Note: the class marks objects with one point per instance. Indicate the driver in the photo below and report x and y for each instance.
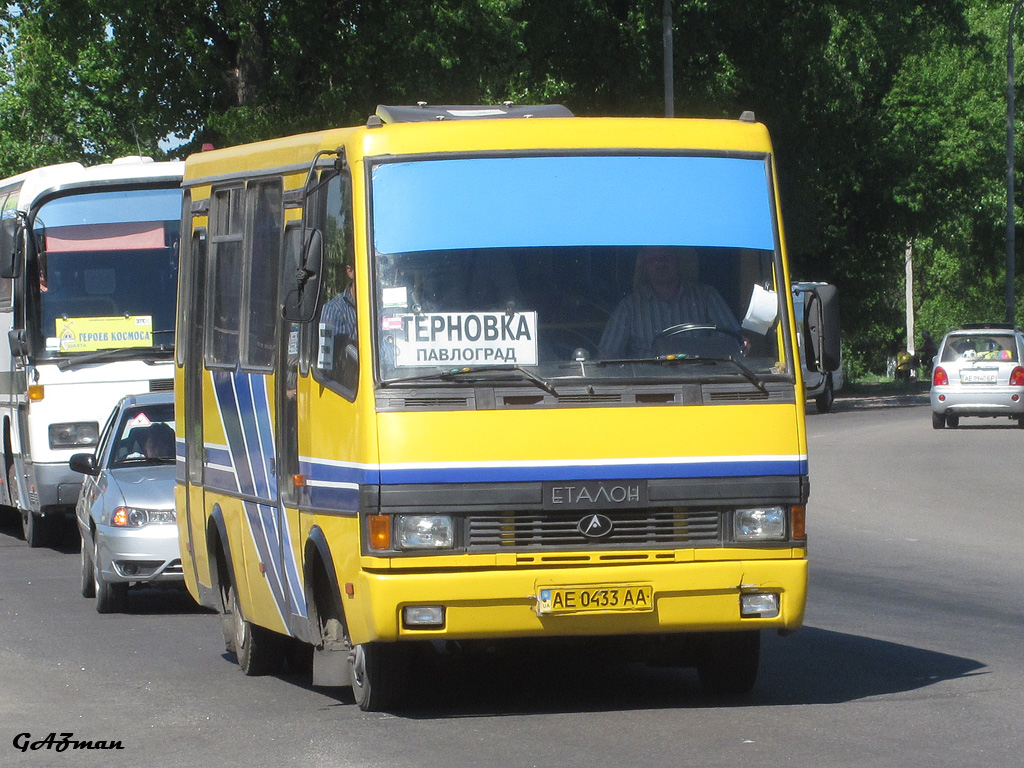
(666, 292)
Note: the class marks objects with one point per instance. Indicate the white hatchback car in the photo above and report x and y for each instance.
(126, 506)
(978, 372)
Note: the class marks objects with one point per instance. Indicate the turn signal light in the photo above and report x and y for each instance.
(35, 392)
(939, 378)
(798, 520)
(1017, 377)
(380, 531)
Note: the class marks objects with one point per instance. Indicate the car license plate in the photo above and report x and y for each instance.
(605, 598)
(977, 377)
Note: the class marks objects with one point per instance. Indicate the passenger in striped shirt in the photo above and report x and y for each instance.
(666, 292)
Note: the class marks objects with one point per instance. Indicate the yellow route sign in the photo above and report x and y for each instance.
(86, 334)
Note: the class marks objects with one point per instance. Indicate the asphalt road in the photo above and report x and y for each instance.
(911, 654)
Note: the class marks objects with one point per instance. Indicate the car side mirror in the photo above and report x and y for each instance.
(85, 463)
(303, 265)
(822, 340)
(10, 247)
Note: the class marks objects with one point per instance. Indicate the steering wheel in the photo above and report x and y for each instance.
(684, 328)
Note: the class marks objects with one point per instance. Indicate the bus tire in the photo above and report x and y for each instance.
(826, 400)
(35, 528)
(379, 673)
(729, 661)
(258, 651)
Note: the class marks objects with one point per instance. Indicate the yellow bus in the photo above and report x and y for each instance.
(469, 374)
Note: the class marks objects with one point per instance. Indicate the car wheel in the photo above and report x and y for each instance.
(825, 401)
(88, 578)
(1020, 420)
(952, 420)
(379, 672)
(938, 420)
(729, 662)
(111, 597)
(258, 651)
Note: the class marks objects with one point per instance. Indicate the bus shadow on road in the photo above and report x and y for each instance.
(815, 666)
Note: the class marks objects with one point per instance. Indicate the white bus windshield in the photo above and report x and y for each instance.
(105, 271)
(628, 264)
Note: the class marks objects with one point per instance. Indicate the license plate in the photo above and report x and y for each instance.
(632, 598)
(977, 377)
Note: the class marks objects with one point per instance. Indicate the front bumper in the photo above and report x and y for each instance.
(688, 597)
(147, 554)
(978, 401)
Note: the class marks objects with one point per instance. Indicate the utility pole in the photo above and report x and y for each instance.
(666, 36)
(908, 258)
(1010, 224)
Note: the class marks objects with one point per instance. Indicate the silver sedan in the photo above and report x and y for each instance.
(978, 372)
(125, 509)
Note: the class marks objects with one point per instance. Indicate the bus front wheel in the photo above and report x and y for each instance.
(258, 651)
(379, 671)
(728, 662)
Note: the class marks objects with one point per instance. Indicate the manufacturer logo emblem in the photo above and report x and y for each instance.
(595, 526)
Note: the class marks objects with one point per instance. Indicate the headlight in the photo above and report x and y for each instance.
(134, 517)
(424, 532)
(74, 434)
(759, 524)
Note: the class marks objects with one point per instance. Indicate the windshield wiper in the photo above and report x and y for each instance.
(455, 373)
(748, 374)
(101, 355)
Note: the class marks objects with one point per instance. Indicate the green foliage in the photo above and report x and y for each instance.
(888, 118)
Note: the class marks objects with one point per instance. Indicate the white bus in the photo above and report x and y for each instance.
(88, 270)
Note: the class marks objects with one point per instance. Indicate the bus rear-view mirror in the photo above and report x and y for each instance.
(822, 340)
(303, 267)
(10, 237)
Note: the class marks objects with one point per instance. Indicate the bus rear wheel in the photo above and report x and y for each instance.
(379, 673)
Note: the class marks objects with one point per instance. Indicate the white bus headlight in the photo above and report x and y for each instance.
(759, 524)
(425, 532)
(74, 434)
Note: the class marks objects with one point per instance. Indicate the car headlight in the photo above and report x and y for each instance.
(424, 532)
(136, 517)
(759, 524)
(74, 434)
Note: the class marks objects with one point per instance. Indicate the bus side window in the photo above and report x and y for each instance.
(225, 278)
(337, 357)
(263, 251)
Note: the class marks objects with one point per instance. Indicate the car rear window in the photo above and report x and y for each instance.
(987, 346)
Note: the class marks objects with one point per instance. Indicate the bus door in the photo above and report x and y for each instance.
(191, 321)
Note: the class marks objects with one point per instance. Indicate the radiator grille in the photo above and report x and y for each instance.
(649, 528)
(161, 385)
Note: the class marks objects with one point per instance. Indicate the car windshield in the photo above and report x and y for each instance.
(576, 267)
(106, 271)
(980, 346)
(144, 435)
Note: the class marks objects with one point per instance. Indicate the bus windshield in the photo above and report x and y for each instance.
(582, 266)
(105, 272)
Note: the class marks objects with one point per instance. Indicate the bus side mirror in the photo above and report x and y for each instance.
(10, 247)
(17, 342)
(303, 268)
(822, 341)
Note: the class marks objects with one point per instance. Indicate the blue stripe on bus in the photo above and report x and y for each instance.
(360, 475)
